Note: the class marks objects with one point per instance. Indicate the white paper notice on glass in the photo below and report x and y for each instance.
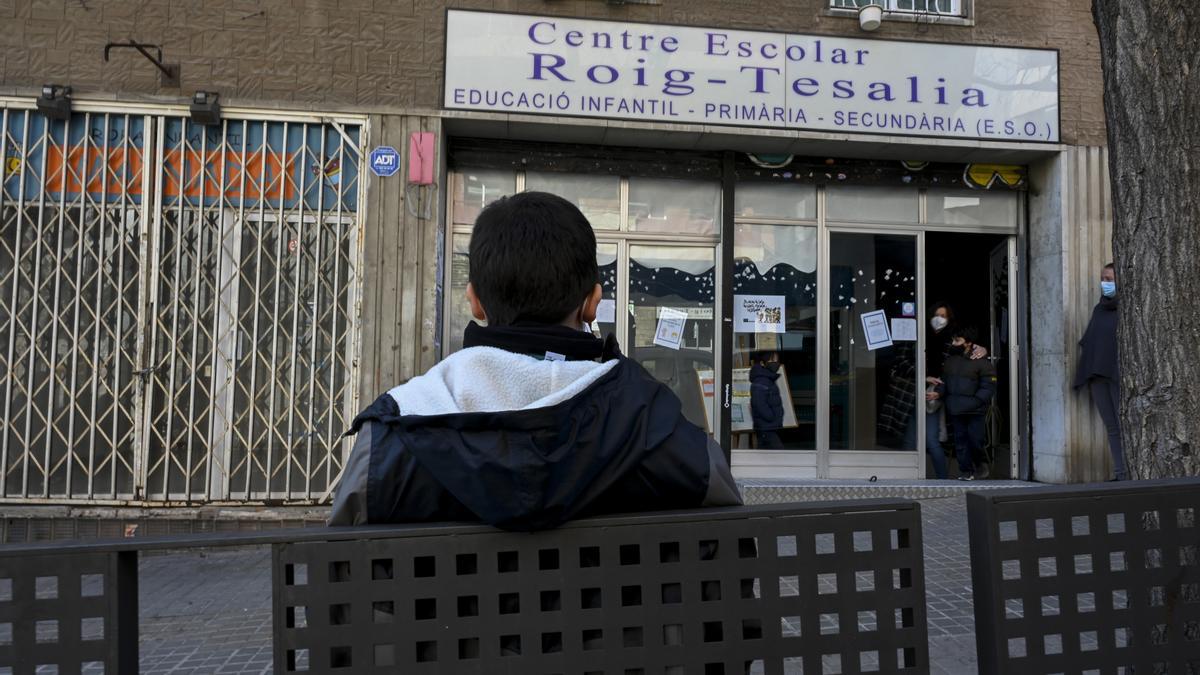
(875, 327)
(606, 311)
(904, 330)
(759, 314)
(670, 327)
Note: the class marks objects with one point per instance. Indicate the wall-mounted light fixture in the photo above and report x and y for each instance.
(204, 108)
(55, 102)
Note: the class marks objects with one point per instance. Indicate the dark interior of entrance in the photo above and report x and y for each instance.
(970, 273)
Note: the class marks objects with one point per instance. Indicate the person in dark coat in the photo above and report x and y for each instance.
(938, 347)
(938, 338)
(966, 390)
(536, 421)
(1098, 366)
(766, 404)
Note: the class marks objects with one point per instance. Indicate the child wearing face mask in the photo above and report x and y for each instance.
(967, 388)
(938, 348)
(766, 404)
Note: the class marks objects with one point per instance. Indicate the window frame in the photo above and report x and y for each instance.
(965, 17)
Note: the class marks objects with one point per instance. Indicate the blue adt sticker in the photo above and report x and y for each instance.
(385, 161)
(908, 309)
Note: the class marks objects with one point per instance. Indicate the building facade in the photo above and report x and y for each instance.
(194, 312)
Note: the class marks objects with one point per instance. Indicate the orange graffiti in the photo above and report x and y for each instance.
(268, 175)
(265, 175)
(66, 174)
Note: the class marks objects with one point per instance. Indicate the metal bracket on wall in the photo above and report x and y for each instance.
(169, 72)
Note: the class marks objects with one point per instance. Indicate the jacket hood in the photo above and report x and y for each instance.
(759, 371)
(524, 443)
(486, 379)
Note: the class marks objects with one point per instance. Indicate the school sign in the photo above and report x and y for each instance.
(649, 72)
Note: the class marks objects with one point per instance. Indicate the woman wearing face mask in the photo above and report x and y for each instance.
(1098, 365)
(937, 348)
(938, 339)
(766, 404)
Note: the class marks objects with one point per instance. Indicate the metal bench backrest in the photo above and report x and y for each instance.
(829, 587)
(818, 587)
(1089, 578)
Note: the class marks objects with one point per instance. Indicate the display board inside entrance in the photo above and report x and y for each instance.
(740, 416)
(519, 63)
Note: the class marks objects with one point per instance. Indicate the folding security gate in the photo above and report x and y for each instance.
(177, 306)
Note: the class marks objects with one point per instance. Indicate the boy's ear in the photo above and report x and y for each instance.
(591, 305)
(477, 310)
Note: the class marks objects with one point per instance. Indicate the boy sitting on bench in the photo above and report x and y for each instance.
(535, 421)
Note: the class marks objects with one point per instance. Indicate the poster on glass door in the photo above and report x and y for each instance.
(759, 314)
(669, 333)
(875, 328)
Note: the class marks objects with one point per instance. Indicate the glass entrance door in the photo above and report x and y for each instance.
(775, 342)
(875, 369)
(672, 328)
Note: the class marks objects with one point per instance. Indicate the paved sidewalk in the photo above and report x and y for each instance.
(949, 607)
(208, 613)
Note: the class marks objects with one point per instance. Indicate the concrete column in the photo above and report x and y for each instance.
(1070, 239)
(1047, 340)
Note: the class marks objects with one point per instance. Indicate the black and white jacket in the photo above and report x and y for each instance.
(514, 440)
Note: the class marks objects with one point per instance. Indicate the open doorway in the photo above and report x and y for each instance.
(970, 272)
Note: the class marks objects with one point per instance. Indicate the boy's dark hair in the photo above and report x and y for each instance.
(967, 333)
(533, 259)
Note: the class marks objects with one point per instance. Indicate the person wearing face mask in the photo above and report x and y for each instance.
(1098, 369)
(937, 341)
(967, 388)
(766, 404)
(937, 349)
(937, 345)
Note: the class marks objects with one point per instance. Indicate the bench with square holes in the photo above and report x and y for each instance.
(834, 587)
(1101, 578)
(813, 588)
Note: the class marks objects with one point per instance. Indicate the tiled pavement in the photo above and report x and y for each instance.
(206, 612)
(949, 609)
(210, 612)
